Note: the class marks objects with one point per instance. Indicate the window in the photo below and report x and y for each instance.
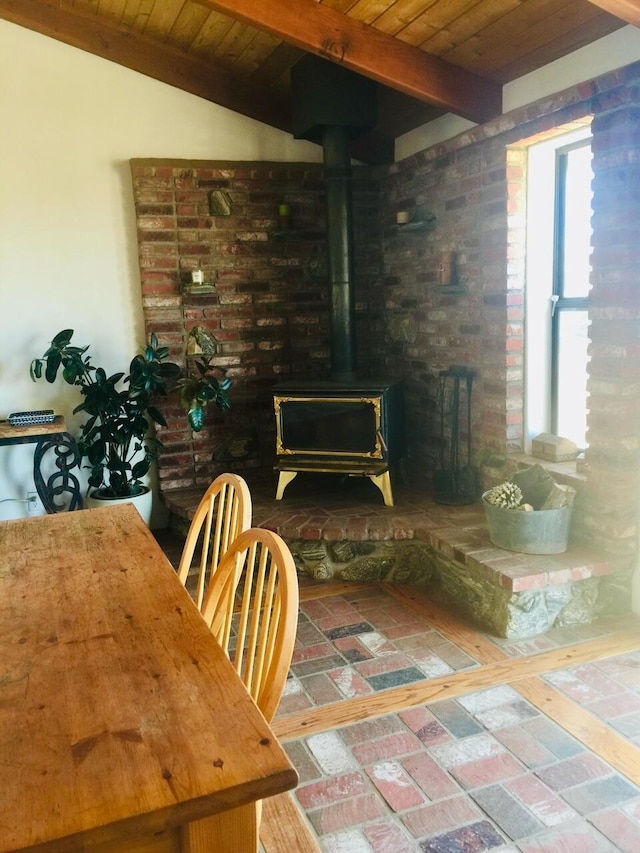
(558, 268)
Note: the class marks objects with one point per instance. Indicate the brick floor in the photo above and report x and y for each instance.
(363, 643)
(485, 771)
(488, 770)
(517, 786)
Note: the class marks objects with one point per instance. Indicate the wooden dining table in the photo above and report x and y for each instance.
(123, 725)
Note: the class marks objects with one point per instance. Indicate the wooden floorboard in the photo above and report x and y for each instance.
(284, 828)
(506, 671)
(322, 589)
(584, 726)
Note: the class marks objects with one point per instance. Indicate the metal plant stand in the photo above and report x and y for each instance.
(53, 445)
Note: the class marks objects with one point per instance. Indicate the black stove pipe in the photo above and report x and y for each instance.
(337, 165)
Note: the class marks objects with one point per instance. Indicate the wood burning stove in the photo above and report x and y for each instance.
(344, 424)
(352, 428)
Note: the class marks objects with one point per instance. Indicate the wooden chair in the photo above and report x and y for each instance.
(257, 572)
(224, 511)
(252, 608)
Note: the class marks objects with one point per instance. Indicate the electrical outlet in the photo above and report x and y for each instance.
(34, 504)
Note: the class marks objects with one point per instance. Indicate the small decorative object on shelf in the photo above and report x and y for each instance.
(38, 416)
(284, 215)
(447, 271)
(419, 221)
(553, 448)
(219, 203)
(201, 341)
(197, 284)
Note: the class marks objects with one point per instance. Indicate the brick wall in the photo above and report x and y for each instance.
(614, 385)
(270, 310)
(475, 186)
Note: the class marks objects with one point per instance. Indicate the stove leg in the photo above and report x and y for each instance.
(383, 482)
(284, 478)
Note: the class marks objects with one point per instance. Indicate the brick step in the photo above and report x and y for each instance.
(326, 510)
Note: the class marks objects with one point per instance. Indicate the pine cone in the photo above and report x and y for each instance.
(507, 495)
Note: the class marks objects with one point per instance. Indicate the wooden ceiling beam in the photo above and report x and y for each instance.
(325, 32)
(97, 35)
(626, 10)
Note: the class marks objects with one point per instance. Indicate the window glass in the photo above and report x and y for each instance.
(572, 361)
(577, 223)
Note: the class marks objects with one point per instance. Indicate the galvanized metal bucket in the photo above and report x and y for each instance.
(541, 531)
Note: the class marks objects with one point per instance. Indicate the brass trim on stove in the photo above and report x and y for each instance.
(376, 402)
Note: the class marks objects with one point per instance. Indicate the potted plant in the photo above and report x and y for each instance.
(115, 439)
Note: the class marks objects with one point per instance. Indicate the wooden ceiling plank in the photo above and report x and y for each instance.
(575, 38)
(162, 17)
(626, 10)
(467, 23)
(114, 9)
(187, 26)
(322, 31)
(234, 44)
(526, 31)
(212, 32)
(515, 18)
(539, 35)
(368, 11)
(401, 14)
(279, 62)
(438, 18)
(136, 14)
(256, 53)
(341, 6)
(191, 74)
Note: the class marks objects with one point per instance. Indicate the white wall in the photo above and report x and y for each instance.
(611, 52)
(68, 251)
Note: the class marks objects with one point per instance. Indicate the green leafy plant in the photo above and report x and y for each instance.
(115, 438)
(197, 391)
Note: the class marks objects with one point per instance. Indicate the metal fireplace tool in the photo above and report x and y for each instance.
(456, 481)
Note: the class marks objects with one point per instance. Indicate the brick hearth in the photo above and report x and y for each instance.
(452, 545)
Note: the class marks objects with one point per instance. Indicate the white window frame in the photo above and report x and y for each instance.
(539, 272)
